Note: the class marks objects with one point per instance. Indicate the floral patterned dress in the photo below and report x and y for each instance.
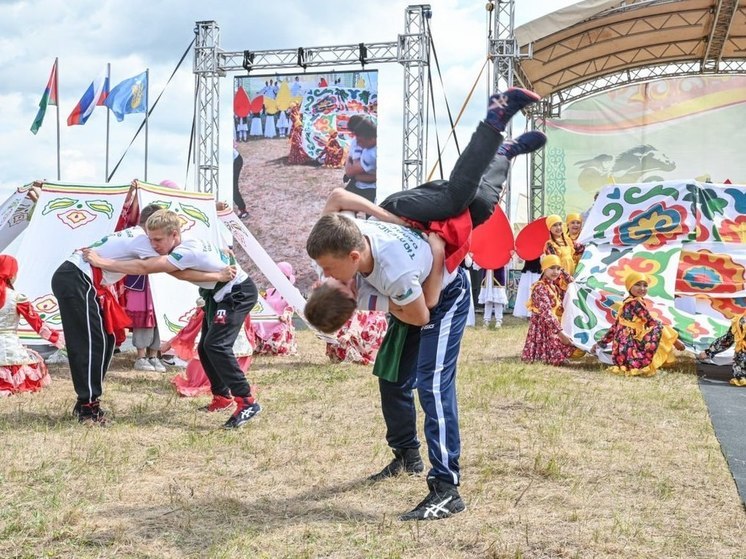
(276, 337)
(359, 339)
(21, 368)
(542, 340)
(735, 335)
(640, 344)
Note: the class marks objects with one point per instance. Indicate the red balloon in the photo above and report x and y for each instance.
(530, 242)
(241, 103)
(257, 104)
(492, 242)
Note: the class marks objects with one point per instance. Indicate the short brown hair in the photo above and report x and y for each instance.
(335, 235)
(164, 220)
(328, 308)
(147, 211)
(365, 128)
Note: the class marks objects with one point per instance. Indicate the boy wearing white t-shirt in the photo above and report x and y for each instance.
(430, 307)
(228, 303)
(91, 313)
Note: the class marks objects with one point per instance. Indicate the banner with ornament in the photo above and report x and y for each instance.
(66, 217)
(688, 237)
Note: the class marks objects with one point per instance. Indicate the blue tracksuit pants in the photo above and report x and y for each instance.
(428, 363)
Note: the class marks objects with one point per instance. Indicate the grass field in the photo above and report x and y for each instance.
(557, 462)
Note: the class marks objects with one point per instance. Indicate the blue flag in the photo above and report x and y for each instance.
(129, 96)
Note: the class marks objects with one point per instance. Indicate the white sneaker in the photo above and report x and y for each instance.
(143, 364)
(158, 366)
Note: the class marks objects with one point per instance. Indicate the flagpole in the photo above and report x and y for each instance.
(56, 87)
(147, 107)
(108, 78)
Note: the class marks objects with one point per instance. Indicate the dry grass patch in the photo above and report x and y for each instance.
(557, 462)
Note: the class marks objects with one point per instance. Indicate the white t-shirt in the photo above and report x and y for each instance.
(367, 157)
(402, 260)
(128, 244)
(197, 254)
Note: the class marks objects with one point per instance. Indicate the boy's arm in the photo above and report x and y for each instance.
(133, 267)
(198, 276)
(433, 284)
(358, 172)
(340, 200)
(415, 313)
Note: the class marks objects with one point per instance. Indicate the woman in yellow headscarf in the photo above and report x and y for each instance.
(561, 245)
(736, 335)
(574, 223)
(640, 344)
(545, 340)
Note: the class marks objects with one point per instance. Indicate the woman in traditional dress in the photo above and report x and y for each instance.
(736, 335)
(194, 381)
(561, 245)
(545, 340)
(640, 344)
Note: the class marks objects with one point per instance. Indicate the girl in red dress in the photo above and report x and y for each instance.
(545, 340)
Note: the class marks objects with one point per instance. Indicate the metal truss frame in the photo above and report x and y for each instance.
(506, 57)
(504, 53)
(411, 50)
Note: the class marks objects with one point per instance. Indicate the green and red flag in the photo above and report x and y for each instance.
(49, 97)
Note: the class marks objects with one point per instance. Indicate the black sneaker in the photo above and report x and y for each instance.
(502, 106)
(89, 412)
(442, 501)
(406, 460)
(525, 143)
(242, 415)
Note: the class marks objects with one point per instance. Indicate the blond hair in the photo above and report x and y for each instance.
(164, 220)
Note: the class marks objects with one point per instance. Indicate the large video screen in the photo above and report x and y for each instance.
(678, 128)
(295, 138)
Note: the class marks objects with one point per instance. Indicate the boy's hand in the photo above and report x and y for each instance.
(436, 243)
(92, 257)
(227, 273)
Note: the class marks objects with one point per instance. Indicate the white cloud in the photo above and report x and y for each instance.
(87, 34)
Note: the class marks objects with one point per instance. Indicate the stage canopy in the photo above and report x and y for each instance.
(599, 44)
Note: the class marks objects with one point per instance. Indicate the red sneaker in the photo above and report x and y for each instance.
(218, 403)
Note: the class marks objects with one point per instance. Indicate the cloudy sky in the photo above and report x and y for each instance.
(139, 34)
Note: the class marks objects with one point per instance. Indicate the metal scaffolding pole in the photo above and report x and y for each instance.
(210, 63)
(207, 72)
(504, 52)
(414, 54)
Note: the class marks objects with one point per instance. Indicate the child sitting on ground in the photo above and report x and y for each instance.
(640, 344)
(545, 340)
(735, 335)
(277, 337)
